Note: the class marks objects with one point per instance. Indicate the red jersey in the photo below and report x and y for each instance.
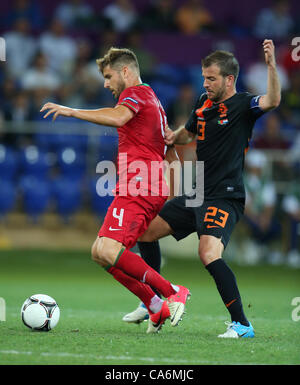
(141, 142)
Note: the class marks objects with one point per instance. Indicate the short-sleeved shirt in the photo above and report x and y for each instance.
(223, 133)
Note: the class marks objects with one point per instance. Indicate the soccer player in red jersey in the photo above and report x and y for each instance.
(141, 123)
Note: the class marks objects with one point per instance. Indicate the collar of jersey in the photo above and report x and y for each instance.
(226, 100)
(143, 84)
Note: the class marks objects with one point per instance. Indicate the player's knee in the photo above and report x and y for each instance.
(210, 249)
(106, 253)
(207, 256)
(103, 255)
(94, 254)
(96, 257)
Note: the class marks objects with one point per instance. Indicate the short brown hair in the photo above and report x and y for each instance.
(225, 60)
(117, 58)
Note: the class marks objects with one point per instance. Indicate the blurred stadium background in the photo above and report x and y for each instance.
(48, 171)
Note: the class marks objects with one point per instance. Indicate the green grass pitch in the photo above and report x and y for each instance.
(91, 330)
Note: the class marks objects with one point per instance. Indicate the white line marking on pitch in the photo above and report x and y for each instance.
(129, 358)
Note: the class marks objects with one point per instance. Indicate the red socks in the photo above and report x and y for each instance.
(141, 290)
(134, 266)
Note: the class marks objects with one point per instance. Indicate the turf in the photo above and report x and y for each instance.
(92, 304)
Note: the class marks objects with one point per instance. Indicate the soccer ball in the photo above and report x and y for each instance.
(40, 312)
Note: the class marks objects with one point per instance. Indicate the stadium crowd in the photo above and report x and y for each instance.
(51, 47)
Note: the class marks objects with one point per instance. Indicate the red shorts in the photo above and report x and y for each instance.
(128, 217)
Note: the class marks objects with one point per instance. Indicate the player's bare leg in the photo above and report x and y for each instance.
(157, 229)
(210, 249)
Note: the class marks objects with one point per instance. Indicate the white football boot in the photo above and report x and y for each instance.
(139, 315)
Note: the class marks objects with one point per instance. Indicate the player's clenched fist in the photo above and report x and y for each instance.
(169, 137)
(56, 110)
(269, 51)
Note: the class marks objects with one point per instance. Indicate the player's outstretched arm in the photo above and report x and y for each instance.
(114, 117)
(273, 96)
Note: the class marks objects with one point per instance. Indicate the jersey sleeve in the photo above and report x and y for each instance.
(191, 124)
(132, 99)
